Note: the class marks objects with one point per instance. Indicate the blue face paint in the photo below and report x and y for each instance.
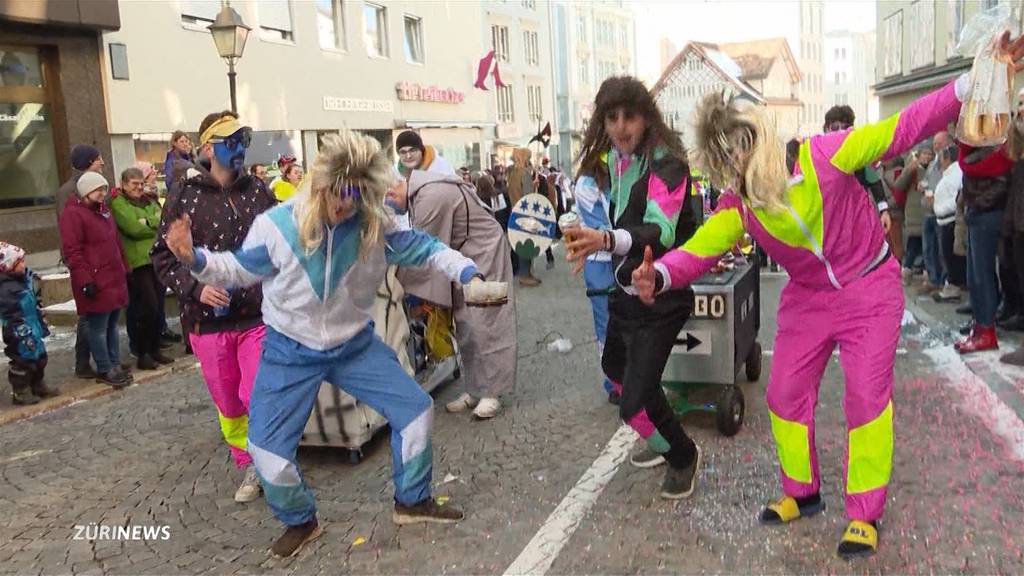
(230, 156)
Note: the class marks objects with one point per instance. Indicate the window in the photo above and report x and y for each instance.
(506, 108)
(843, 51)
(275, 19)
(414, 39)
(837, 78)
(499, 41)
(534, 103)
(584, 70)
(605, 68)
(955, 23)
(330, 24)
(581, 28)
(623, 35)
(530, 4)
(199, 12)
(893, 45)
(986, 4)
(375, 29)
(922, 26)
(531, 48)
(28, 154)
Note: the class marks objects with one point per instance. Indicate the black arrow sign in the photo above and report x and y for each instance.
(691, 341)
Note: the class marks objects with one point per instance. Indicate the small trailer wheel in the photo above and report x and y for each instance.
(355, 456)
(729, 412)
(753, 363)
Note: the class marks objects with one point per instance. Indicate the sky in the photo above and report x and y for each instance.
(732, 21)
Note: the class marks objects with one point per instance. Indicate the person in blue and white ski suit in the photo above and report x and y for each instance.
(320, 257)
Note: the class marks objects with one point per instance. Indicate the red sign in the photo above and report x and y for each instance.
(408, 91)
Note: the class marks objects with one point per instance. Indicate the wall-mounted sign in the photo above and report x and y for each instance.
(409, 91)
(339, 104)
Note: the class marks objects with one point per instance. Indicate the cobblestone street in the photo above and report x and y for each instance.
(152, 456)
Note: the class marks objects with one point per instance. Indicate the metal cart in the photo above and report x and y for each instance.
(718, 340)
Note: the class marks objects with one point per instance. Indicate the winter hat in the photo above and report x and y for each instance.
(83, 155)
(10, 255)
(409, 138)
(89, 182)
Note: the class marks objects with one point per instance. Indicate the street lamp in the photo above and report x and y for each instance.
(229, 34)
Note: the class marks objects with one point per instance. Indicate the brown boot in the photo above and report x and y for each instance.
(295, 537)
(529, 281)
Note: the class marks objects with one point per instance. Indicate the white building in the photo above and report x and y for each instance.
(850, 73)
(812, 87)
(697, 70)
(308, 68)
(592, 41)
(519, 33)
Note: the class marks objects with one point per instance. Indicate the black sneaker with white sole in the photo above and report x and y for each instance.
(680, 482)
(646, 458)
(426, 511)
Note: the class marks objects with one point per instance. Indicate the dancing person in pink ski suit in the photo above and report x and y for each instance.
(844, 289)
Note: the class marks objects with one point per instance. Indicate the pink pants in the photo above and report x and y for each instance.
(863, 319)
(229, 361)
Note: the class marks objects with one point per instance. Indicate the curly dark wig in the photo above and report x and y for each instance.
(629, 93)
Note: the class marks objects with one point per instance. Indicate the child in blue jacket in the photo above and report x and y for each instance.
(23, 328)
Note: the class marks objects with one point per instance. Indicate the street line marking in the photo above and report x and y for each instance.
(979, 399)
(547, 543)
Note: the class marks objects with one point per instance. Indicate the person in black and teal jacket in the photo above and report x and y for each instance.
(23, 328)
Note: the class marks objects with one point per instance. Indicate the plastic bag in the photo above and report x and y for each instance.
(985, 114)
(562, 345)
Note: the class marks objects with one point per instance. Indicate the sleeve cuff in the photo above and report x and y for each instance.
(962, 86)
(467, 274)
(623, 241)
(198, 260)
(883, 206)
(666, 277)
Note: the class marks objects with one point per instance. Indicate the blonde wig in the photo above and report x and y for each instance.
(737, 147)
(347, 162)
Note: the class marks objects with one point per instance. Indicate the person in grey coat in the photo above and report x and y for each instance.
(447, 207)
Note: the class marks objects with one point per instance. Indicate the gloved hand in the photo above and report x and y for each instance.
(89, 290)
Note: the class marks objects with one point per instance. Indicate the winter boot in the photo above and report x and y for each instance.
(982, 338)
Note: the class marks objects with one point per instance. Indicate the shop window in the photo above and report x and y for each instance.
(28, 160)
(375, 29)
(414, 39)
(330, 24)
(276, 20)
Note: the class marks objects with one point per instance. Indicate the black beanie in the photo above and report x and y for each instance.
(409, 138)
(83, 155)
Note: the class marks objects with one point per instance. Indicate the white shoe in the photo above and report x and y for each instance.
(462, 403)
(250, 488)
(487, 408)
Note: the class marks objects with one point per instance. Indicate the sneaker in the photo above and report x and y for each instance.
(462, 403)
(529, 281)
(250, 488)
(85, 372)
(161, 359)
(146, 362)
(114, 378)
(24, 398)
(426, 511)
(679, 482)
(170, 336)
(646, 458)
(487, 408)
(949, 293)
(295, 537)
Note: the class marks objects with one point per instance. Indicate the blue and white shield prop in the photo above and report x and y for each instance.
(531, 226)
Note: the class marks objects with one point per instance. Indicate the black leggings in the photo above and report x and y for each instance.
(145, 297)
(956, 266)
(636, 348)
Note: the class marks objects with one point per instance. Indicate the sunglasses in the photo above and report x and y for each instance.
(241, 137)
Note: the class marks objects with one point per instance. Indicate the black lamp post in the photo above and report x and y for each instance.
(229, 34)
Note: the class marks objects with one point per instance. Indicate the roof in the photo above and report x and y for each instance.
(756, 57)
(719, 62)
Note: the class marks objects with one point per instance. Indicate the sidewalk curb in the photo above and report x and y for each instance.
(96, 390)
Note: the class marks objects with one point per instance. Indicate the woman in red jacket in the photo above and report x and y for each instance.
(93, 253)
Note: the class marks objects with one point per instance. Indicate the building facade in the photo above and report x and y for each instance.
(850, 73)
(51, 97)
(698, 69)
(812, 86)
(770, 67)
(592, 41)
(917, 46)
(519, 32)
(309, 68)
